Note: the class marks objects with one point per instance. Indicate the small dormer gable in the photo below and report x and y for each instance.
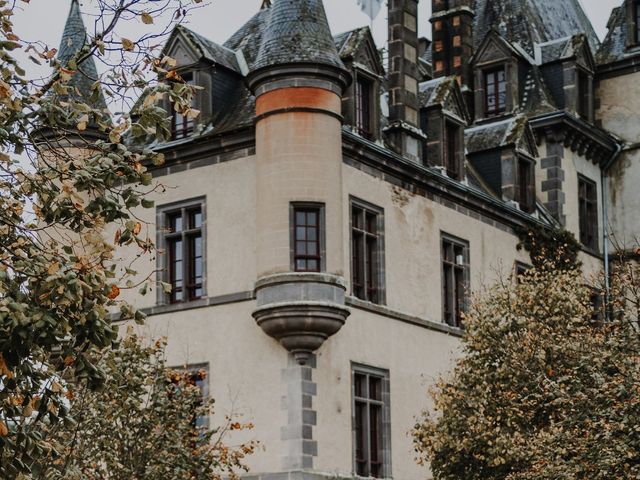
(494, 49)
(358, 48)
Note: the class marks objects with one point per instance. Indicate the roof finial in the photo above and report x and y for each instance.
(265, 4)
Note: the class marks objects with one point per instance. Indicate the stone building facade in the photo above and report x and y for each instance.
(328, 214)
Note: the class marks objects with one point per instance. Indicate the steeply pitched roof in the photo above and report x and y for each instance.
(74, 38)
(297, 32)
(512, 131)
(210, 50)
(443, 92)
(249, 37)
(614, 46)
(527, 22)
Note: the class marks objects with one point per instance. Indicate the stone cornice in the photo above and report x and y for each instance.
(393, 168)
(581, 137)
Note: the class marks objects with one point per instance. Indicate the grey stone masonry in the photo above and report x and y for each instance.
(552, 182)
(300, 417)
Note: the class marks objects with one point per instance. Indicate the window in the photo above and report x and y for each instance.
(526, 195)
(181, 125)
(307, 234)
(184, 252)
(637, 20)
(195, 375)
(455, 273)
(495, 82)
(367, 252)
(588, 212)
(452, 150)
(584, 94)
(520, 269)
(371, 422)
(363, 100)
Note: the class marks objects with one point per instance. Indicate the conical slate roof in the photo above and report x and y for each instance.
(297, 32)
(74, 38)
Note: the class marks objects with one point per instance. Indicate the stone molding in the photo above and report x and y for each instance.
(300, 310)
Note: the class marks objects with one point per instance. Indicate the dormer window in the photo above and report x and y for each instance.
(525, 193)
(584, 94)
(364, 106)
(452, 150)
(182, 125)
(495, 82)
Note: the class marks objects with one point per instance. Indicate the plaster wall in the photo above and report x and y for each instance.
(619, 112)
(414, 357)
(230, 197)
(413, 228)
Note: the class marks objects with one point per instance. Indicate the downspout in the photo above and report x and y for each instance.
(605, 221)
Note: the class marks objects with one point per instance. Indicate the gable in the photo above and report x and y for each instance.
(179, 48)
(492, 50)
(359, 47)
(584, 57)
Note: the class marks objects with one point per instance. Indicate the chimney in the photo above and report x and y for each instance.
(452, 34)
(404, 119)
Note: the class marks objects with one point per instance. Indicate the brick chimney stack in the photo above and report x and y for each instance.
(404, 118)
(452, 34)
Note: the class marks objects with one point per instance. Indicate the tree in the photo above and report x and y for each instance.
(65, 174)
(544, 388)
(141, 424)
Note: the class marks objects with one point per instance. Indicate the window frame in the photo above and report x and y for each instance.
(201, 422)
(452, 297)
(448, 157)
(527, 199)
(377, 256)
(321, 225)
(384, 427)
(588, 220)
(498, 110)
(187, 124)
(584, 87)
(368, 113)
(163, 237)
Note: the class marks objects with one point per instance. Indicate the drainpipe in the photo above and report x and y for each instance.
(605, 221)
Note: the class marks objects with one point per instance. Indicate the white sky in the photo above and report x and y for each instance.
(44, 19)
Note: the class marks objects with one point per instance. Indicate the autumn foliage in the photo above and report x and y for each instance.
(545, 387)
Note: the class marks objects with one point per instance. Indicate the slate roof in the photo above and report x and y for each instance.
(74, 38)
(212, 51)
(614, 46)
(347, 43)
(297, 32)
(562, 48)
(434, 92)
(527, 22)
(249, 37)
(494, 135)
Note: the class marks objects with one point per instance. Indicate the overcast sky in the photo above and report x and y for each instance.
(44, 19)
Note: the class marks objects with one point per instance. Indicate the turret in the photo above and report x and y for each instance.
(298, 81)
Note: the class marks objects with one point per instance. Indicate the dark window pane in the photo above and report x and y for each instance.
(175, 222)
(301, 248)
(375, 388)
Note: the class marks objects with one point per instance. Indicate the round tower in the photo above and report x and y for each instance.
(298, 80)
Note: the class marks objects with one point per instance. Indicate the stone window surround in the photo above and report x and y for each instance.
(374, 107)
(594, 229)
(204, 390)
(457, 241)
(380, 253)
(582, 71)
(321, 234)
(383, 374)
(161, 244)
(509, 64)
(521, 157)
(450, 120)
